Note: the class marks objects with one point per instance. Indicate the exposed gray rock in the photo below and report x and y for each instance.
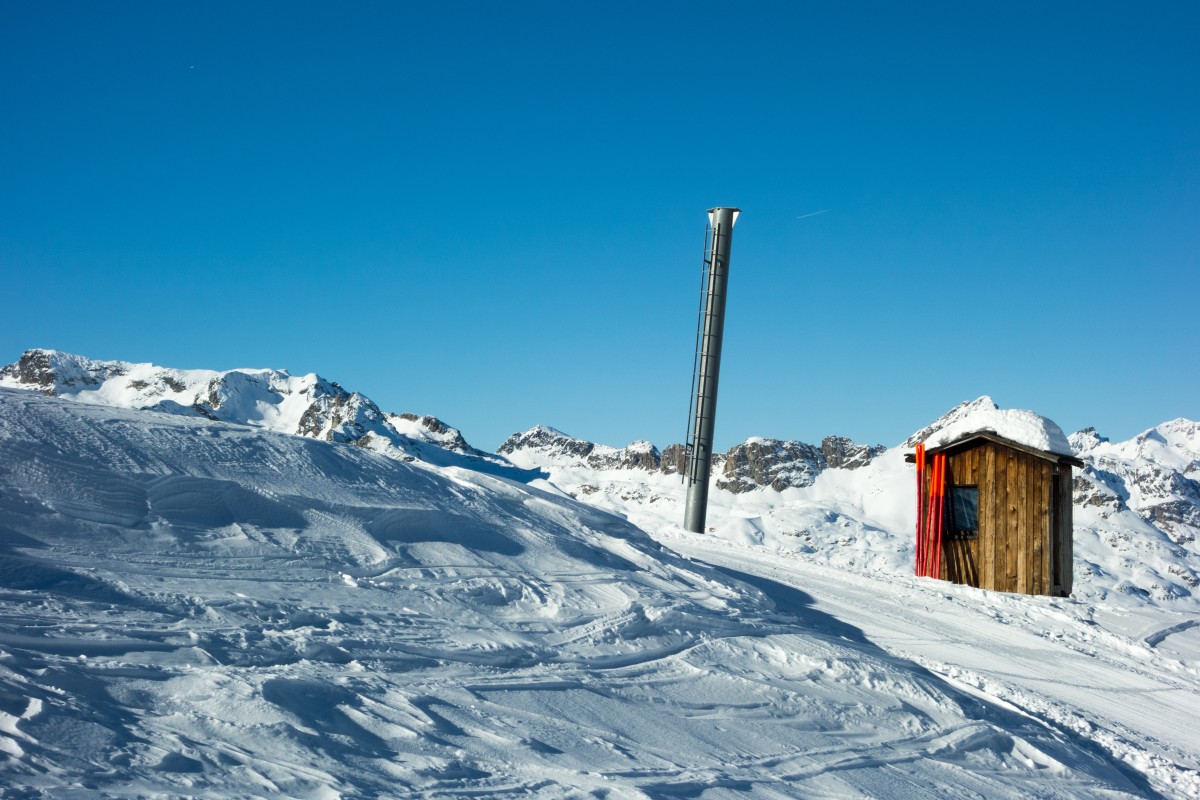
(447, 437)
(754, 464)
(51, 371)
(788, 464)
(842, 453)
(202, 410)
(32, 369)
(1169, 500)
(337, 415)
(552, 445)
(547, 441)
(1099, 489)
(639, 455)
(673, 460)
(770, 462)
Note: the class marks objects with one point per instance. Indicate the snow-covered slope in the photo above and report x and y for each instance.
(197, 608)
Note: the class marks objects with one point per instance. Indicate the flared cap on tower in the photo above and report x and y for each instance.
(714, 212)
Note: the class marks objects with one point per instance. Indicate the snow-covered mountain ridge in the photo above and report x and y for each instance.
(754, 464)
(314, 407)
(306, 405)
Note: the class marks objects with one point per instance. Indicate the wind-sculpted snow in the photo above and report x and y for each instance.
(194, 608)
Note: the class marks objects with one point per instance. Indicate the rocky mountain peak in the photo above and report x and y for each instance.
(637, 455)
(770, 462)
(429, 428)
(546, 441)
(1180, 435)
(51, 371)
(842, 453)
(543, 445)
(1086, 440)
(784, 465)
(755, 464)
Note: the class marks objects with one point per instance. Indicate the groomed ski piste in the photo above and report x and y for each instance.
(192, 607)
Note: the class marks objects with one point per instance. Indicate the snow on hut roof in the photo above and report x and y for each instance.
(1015, 424)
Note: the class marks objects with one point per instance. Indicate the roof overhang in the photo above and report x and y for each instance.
(972, 439)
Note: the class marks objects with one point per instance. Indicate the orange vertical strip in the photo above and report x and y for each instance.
(927, 530)
(926, 561)
(920, 549)
(929, 554)
(941, 514)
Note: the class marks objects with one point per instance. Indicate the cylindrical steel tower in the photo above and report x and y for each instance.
(708, 366)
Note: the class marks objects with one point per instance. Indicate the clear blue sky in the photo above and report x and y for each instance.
(494, 212)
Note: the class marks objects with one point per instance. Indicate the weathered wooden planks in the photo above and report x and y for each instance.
(1024, 538)
(989, 502)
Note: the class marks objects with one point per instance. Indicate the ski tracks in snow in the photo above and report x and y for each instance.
(1044, 658)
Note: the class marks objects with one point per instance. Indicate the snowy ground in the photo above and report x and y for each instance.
(1108, 676)
(196, 608)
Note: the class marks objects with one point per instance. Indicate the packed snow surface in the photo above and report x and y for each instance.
(193, 607)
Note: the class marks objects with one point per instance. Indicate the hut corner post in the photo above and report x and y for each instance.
(708, 368)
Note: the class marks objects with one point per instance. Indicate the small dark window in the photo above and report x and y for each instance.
(963, 511)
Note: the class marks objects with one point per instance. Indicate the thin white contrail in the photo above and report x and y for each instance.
(813, 213)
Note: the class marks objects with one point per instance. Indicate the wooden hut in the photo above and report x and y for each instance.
(1005, 515)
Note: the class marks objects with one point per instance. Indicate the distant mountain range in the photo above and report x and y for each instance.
(317, 408)
(306, 405)
(1137, 502)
